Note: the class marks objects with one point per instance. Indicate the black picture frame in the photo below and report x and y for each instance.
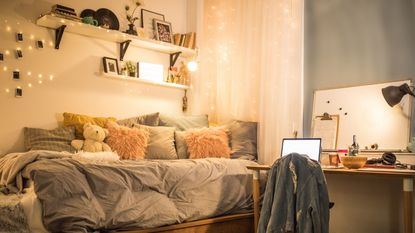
(110, 65)
(16, 75)
(147, 24)
(163, 31)
(18, 93)
(19, 37)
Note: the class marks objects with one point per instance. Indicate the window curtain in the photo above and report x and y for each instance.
(251, 67)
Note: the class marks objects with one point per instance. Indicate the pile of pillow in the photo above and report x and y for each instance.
(154, 136)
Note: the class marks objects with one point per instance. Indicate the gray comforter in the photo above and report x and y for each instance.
(85, 197)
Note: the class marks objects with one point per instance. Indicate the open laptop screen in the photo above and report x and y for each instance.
(308, 146)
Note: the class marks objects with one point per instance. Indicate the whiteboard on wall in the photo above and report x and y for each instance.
(364, 112)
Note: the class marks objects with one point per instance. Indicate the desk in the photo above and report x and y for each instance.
(407, 177)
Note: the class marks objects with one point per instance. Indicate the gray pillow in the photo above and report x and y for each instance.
(181, 146)
(243, 139)
(149, 119)
(184, 122)
(160, 142)
(58, 139)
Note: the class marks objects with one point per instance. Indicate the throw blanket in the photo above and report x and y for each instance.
(296, 197)
(86, 197)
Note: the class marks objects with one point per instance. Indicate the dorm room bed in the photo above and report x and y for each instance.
(200, 195)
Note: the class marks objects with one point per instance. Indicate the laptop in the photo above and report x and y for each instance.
(308, 146)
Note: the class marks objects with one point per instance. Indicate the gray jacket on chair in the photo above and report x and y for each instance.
(296, 197)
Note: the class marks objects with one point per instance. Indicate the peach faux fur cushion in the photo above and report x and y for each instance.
(207, 142)
(129, 143)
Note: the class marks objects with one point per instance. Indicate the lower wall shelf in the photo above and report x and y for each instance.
(127, 78)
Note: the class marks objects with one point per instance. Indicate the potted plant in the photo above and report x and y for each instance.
(131, 18)
(131, 68)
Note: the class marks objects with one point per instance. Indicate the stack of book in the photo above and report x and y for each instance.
(187, 40)
(64, 12)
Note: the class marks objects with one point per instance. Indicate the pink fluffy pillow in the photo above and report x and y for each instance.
(129, 143)
(207, 142)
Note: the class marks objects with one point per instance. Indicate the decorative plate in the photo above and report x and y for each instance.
(107, 19)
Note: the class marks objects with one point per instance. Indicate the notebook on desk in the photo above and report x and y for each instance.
(308, 146)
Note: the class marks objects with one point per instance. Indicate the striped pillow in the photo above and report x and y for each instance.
(58, 139)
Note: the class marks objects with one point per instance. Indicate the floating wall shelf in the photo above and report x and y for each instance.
(60, 25)
(128, 78)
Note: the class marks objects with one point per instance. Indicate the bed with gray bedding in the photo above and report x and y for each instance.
(85, 197)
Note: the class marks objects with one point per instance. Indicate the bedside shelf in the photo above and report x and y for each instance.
(127, 78)
(60, 24)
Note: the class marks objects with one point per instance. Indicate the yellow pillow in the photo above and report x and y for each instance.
(78, 120)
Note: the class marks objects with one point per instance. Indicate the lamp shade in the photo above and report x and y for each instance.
(394, 94)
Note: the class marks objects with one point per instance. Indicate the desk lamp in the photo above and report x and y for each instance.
(394, 94)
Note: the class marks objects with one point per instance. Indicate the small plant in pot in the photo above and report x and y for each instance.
(131, 18)
(131, 68)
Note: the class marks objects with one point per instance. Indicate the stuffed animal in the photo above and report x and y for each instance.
(94, 139)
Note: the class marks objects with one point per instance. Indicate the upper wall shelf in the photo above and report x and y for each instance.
(60, 25)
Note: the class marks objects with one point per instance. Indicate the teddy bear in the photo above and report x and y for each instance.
(94, 139)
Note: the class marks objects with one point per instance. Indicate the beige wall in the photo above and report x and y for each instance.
(77, 84)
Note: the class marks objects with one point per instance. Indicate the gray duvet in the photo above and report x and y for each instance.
(85, 197)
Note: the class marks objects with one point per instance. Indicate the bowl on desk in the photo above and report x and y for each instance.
(354, 162)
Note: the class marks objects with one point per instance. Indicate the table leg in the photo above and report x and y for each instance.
(407, 203)
(255, 193)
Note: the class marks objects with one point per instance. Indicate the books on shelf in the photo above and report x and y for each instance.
(187, 40)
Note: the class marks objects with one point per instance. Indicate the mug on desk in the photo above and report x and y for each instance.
(90, 20)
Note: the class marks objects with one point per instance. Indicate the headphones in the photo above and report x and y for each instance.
(388, 158)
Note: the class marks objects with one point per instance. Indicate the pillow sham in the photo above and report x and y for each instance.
(184, 122)
(58, 139)
(208, 142)
(148, 119)
(78, 120)
(243, 139)
(129, 143)
(160, 143)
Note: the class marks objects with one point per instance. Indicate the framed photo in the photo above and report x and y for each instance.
(163, 31)
(19, 37)
(39, 44)
(147, 18)
(18, 92)
(19, 54)
(16, 75)
(110, 65)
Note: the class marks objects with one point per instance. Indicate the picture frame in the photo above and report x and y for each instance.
(1, 57)
(147, 24)
(110, 65)
(163, 31)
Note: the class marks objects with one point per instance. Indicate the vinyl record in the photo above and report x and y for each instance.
(87, 12)
(107, 19)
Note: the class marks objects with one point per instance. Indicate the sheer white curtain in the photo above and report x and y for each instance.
(251, 67)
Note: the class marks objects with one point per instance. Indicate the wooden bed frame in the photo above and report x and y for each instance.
(235, 223)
